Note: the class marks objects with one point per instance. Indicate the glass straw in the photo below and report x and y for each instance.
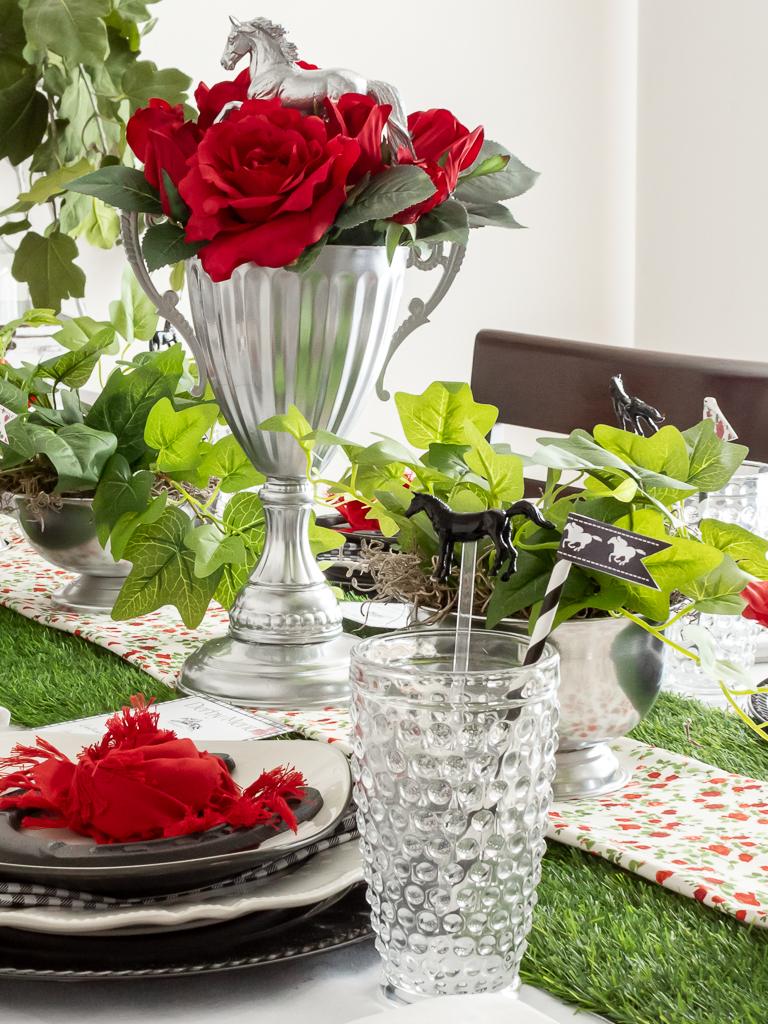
(464, 606)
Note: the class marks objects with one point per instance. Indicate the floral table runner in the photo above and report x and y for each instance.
(681, 823)
(684, 824)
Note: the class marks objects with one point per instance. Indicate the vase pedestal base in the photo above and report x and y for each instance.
(588, 772)
(89, 595)
(285, 676)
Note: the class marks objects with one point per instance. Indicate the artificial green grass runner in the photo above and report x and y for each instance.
(602, 938)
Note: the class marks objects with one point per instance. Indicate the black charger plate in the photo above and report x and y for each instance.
(155, 867)
(232, 945)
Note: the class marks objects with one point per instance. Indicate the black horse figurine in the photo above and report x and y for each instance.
(466, 527)
(632, 410)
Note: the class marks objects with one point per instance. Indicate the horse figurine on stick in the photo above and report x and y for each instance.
(274, 72)
(466, 527)
(629, 411)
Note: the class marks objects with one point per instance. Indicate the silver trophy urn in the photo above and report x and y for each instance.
(267, 339)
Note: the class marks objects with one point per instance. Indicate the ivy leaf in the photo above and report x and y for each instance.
(47, 265)
(122, 187)
(504, 473)
(494, 215)
(717, 592)
(129, 522)
(385, 453)
(124, 405)
(77, 453)
(664, 452)
(244, 513)
(447, 459)
(164, 572)
(440, 413)
(177, 435)
(13, 227)
(23, 120)
(227, 460)
(13, 398)
(578, 451)
(713, 461)
(447, 222)
(71, 412)
(120, 491)
(133, 315)
(165, 243)
(213, 549)
(507, 183)
(134, 10)
(390, 192)
(100, 227)
(75, 368)
(526, 587)
(717, 668)
(748, 550)
(142, 82)
(53, 184)
(293, 423)
(80, 329)
(72, 28)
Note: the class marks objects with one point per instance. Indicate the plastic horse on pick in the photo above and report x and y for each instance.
(468, 527)
(630, 411)
(274, 72)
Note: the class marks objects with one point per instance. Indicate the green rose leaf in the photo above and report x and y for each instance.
(23, 120)
(165, 243)
(717, 593)
(72, 28)
(47, 265)
(447, 222)
(213, 550)
(747, 550)
(492, 187)
(122, 187)
(133, 314)
(179, 209)
(439, 414)
(388, 193)
(713, 461)
(177, 435)
(129, 522)
(491, 215)
(227, 460)
(164, 572)
(504, 473)
(120, 491)
(125, 403)
(75, 368)
(142, 81)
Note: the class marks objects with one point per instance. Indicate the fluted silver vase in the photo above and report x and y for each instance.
(267, 339)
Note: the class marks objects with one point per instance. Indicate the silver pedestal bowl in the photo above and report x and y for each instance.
(66, 537)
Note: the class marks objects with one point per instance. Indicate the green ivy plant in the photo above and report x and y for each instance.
(70, 77)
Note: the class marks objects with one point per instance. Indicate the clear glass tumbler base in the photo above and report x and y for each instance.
(395, 995)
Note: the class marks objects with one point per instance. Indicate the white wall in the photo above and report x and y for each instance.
(702, 200)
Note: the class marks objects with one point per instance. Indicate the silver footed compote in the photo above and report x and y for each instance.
(267, 339)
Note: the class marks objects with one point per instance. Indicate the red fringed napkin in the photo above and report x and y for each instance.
(140, 782)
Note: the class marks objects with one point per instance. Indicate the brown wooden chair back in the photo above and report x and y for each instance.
(556, 385)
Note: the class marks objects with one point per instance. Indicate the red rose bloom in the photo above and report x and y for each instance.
(362, 118)
(263, 185)
(756, 596)
(163, 140)
(210, 102)
(444, 148)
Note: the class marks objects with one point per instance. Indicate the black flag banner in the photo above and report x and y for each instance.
(609, 549)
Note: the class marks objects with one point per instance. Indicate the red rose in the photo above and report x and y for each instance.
(263, 185)
(362, 118)
(756, 596)
(162, 140)
(444, 148)
(210, 102)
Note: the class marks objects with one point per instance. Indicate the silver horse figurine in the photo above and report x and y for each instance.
(274, 73)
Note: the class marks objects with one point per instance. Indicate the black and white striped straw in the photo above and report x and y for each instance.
(549, 607)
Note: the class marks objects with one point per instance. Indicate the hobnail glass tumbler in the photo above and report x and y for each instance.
(453, 774)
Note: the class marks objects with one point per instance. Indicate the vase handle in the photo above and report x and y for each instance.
(167, 303)
(420, 310)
